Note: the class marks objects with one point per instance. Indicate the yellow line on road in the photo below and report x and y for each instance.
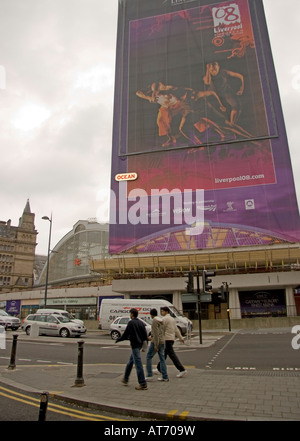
(172, 413)
(54, 407)
(181, 416)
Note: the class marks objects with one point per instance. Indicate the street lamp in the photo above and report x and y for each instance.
(47, 272)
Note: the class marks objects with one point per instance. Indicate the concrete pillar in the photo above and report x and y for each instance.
(177, 300)
(291, 310)
(234, 303)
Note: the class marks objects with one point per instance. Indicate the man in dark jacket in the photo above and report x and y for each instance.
(135, 332)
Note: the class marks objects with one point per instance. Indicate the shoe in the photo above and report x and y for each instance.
(149, 378)
(124, 382)
(162, 379)
(181, 374)
(141, 387)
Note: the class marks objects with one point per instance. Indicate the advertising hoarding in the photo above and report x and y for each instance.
(198, 123)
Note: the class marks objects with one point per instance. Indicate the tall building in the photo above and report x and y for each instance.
(200, 157)
(17, 252)
(201, 176)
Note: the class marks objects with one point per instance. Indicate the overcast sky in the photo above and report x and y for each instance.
(56, 105)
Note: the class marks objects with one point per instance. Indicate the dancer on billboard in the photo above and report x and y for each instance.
(219, 80)
(178, 101)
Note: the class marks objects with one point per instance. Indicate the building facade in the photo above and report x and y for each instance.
(17, 252)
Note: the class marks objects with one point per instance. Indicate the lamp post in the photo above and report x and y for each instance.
(48, 258)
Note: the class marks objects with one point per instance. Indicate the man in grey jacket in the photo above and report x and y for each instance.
(157, 346)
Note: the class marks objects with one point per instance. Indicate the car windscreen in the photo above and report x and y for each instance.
(175, 312)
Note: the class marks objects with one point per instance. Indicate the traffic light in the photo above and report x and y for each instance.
(222, 293)
(215, 298)
(190, 283)
(206, 281)
(219, 296)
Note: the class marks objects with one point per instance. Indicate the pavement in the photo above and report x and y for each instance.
(203, 394)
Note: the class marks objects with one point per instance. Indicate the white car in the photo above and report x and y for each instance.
(9, 322)
(118, 327)
(60, 312)
(52, 324)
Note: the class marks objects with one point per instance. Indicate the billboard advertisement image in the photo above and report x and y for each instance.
(200, 156)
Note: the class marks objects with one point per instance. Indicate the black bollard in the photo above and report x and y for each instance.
(12, 364)
(43, 406)
(79, 382)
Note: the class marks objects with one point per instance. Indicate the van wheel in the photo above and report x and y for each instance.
(64, 332)
(28, 330)
(115, 335)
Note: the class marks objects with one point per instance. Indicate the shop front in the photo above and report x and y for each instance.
(83, 308)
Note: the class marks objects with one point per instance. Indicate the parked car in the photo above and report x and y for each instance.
(53, 324)
(9, 322)
(62, 312)
(118, 327)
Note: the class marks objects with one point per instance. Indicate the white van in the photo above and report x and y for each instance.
(110, 309)
(62, 312)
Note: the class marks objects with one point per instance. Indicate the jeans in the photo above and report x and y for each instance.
(169, 351)
(161, 353)
(135, 358)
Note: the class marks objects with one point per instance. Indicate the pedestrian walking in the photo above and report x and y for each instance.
(171, 331)
(136, 333)
(157, 345)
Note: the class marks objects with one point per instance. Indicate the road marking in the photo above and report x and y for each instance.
(44, 361)
(185, 350)
(172, 413)
(181, 416)
(285, 369)
(22, 398)
(64, 363)
(213, 359)
(241, 368)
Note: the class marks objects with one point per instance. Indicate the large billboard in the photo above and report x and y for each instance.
(200, 156)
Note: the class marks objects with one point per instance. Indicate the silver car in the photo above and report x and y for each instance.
(52, 324)
(8, 321)
(118, 327)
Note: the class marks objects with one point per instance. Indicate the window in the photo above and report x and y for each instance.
(51, 319)
(40, 318)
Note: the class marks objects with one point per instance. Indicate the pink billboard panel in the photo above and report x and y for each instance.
(197, 109)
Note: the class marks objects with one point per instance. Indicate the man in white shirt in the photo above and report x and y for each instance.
(171, 332)
(157, 345)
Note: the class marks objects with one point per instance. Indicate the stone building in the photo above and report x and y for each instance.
(17, 252)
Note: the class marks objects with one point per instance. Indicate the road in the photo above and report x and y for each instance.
(259, 350)
(17, 405)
